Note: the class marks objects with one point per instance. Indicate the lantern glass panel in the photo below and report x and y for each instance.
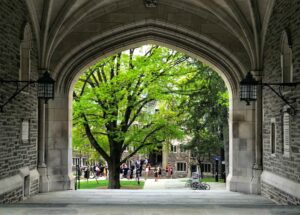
(46, 87)
(248, 92)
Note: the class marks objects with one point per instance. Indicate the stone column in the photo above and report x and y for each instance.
(165, 155)
(59, 143)
(42, 167)
(257, 167)
(41, 135)
(241, 146)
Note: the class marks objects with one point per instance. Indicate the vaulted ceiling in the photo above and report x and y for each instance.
(68, 30)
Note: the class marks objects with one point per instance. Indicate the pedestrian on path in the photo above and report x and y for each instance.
(171, 172)
(158, 172)
(155, 173)
(147, 170)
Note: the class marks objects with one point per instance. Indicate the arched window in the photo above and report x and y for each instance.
(24, 73)
(286, 58)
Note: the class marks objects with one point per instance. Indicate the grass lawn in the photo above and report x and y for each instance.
(208, 179)
(211, 179)
(102, 184)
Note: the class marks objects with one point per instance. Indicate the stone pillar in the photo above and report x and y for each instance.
(59, 150)
(241, 146)
(257, 167)
(42, 167)
(41, 135)
(165, 155)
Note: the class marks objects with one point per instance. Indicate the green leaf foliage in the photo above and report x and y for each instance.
(140, 98)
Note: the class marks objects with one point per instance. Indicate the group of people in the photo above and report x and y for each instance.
(158, 172)
(135, 169)
(95, 171)
(100, 170)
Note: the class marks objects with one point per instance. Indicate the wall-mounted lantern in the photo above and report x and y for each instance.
(248, 88)
(45, 88)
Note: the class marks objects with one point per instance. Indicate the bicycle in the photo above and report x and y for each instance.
(200, 186)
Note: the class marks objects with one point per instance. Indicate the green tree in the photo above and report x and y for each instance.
(204, 105)
(114, 103)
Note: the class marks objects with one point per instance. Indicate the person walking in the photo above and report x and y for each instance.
(147, 170)
(171, 172)
(155, 173)
(158, 172)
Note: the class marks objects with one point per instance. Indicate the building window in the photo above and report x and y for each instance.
(206, 167)
(286, 58)
(173, 148)
(182, 149)
(76, 161)
(273, 136)
(25, 47)
(181, 166)
(286, 121)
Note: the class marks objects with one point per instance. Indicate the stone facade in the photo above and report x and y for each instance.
(179, 157)
(16, 154)
(278, 196)
(12, 196)
(285, 16)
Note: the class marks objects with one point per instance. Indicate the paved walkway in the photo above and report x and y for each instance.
(147, 202)
(177, 184)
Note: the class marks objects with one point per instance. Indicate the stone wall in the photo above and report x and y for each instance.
(182, 157)
(278, 196)
(16, 154)
(12, 196)
(285, 16)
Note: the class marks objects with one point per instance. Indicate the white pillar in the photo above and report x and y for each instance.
(241, 146)
(59, 150)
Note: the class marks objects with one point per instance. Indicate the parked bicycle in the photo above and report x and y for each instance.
(196, 184)
(200, 186)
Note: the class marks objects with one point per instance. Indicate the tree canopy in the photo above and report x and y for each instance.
(141, 97)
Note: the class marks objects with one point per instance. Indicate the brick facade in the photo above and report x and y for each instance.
(285, 16)
(12, 196)
(278, 196)
(15, 154)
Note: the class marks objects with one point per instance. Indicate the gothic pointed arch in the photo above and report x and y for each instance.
(286, 57)
(25, 48)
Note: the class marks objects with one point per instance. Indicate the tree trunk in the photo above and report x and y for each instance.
(201, 170)
(114, 172)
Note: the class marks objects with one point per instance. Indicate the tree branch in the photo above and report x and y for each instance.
(93, 141)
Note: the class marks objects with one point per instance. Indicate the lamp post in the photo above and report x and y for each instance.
(45, 88)
(248, 89)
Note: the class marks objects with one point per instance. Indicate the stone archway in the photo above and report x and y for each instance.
(58, 118)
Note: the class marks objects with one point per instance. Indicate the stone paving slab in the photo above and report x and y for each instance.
(147, 209)
(157, 196)
(147, 202)
(177, 184)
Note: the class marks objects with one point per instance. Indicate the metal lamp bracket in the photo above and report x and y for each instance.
(18, 90)
(291, 110)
